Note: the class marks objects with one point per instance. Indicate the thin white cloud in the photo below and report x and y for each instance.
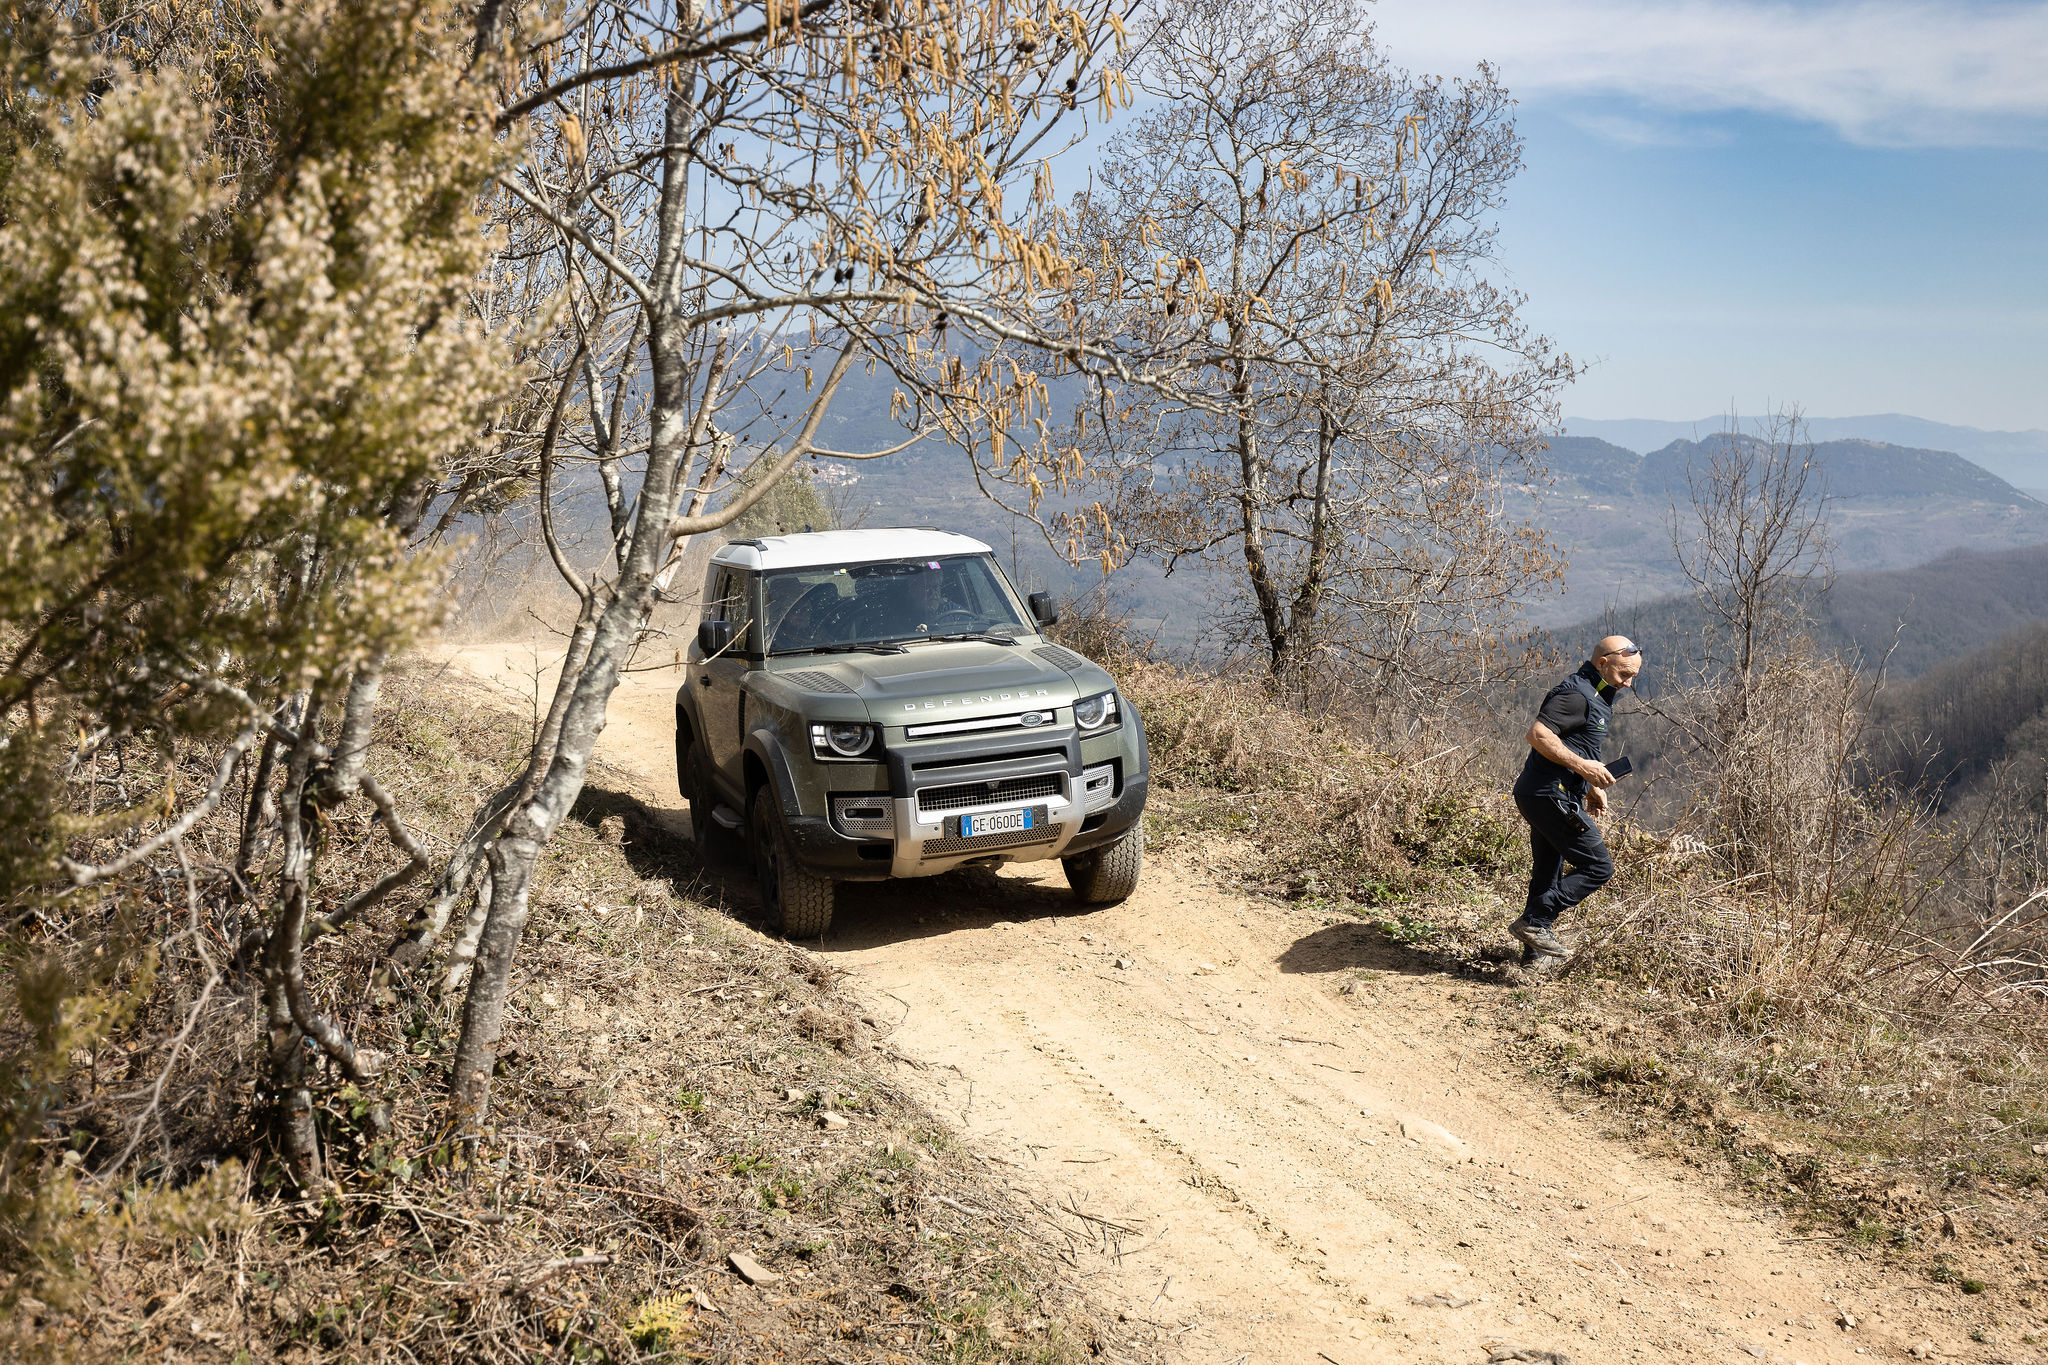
(1876, 71)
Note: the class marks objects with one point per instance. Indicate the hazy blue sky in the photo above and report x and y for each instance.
(1843, 205)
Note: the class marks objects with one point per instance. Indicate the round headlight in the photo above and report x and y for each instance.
(849, 741)
(1090, 712)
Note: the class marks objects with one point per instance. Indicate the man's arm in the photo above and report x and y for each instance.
(1544, 741)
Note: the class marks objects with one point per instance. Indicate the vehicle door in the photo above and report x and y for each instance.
(721, 695)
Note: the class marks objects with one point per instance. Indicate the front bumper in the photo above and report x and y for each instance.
(904, 821)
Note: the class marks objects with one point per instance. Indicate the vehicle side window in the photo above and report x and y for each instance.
(717, 587)
(728, 597)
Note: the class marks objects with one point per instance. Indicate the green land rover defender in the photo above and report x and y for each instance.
(880, 703)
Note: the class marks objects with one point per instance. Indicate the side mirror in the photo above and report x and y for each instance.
(1042, 609)
(714, 637)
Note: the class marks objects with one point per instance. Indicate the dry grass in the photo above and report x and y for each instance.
(1832, 1038)
(663, 1102)
(1317, 803)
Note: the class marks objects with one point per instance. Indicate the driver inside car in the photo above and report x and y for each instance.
(914, 603)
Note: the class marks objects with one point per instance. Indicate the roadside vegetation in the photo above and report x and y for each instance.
(675, 1088)
(1809, 972)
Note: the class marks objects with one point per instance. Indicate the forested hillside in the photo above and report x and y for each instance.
(1972, 718)
(1953, 606)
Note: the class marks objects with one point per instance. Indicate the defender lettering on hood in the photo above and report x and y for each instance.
(985, 699)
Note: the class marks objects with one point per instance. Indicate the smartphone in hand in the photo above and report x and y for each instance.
(1621, 767)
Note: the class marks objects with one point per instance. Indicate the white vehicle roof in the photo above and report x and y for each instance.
(813, 548)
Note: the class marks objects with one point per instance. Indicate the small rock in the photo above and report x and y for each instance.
(831, 1122)
(2041, 1149)
(793, 1095)
(1921, 1350)
(1351, 988)
(1438, 1301)
(1423, 1131)
(1124, 964)
(1845, 1319)
(751, 1270)
(1205, 969)
(1756, 1351)
(1500, 1352)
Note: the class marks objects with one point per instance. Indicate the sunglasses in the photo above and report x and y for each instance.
(1619, 653)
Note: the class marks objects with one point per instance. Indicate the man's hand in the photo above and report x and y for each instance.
(1596, 801)
(1597, 776)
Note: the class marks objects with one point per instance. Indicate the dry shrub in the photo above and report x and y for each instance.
(644, 1131)
(1802, 945)
(1319, 795)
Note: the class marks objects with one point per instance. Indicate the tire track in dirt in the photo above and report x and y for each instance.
(1304, 1173)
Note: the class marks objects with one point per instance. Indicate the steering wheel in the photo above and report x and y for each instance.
(955, 619)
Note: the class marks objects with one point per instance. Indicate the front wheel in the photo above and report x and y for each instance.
(1106, 875)
(799, 903)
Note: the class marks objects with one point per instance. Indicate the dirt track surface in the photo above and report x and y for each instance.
(1285, 1172)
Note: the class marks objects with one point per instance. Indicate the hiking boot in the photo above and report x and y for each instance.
(1538, 942)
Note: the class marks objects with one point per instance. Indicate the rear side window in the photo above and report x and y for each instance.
(727, 597)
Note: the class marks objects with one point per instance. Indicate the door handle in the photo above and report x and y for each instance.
(704, 681)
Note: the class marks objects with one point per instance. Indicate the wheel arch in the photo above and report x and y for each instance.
(766, 763)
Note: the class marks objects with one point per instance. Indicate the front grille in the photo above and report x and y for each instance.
(813, 680)
(982, 723)
(934, 848)
(964, 794)
(976, 760)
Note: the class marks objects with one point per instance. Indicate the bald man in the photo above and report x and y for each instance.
(1562, 785)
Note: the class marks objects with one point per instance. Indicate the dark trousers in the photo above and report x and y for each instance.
(1560, 836)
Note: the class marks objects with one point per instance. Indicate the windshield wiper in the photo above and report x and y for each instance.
(877, 647)
(989, 636)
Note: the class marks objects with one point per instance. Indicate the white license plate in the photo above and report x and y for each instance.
(1001, 822)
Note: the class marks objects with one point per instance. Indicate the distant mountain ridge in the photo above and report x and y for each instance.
(2019, 457)
(1610, 510)
(1853, 468)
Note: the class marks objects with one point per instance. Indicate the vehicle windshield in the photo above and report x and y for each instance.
(894, 602)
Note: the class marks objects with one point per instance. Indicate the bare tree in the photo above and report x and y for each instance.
(1755, 545)
(1308, 230)
(1773, 730)
(738, 205)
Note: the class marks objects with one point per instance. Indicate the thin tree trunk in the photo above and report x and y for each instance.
(431, 920)
(516, 853)
(1308, 599)
(1251, 500)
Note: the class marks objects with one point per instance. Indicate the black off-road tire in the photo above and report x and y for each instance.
(1106, 875)
(799, 903)
(693, 776)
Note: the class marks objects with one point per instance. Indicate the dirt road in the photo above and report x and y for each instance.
(1283, 1171)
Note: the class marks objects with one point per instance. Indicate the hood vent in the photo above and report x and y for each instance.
(811, 680)
(1060, 658)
